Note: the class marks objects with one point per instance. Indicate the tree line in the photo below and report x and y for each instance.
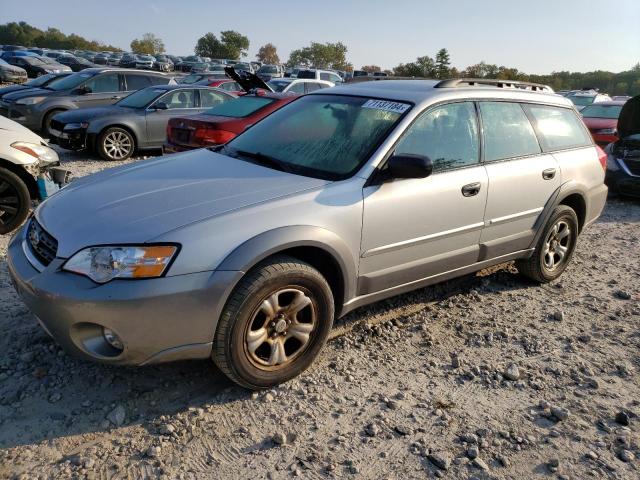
(234, 45)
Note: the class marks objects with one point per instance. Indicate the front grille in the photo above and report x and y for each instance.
(633, 166)
(43, 246)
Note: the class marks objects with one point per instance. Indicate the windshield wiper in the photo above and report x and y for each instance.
(264, 160)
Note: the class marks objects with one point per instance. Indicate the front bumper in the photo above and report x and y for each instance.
(163, 319)
(621, 178)
(69, 139)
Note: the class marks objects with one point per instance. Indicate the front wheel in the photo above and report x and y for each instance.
(15, 201)
(116, 144)
(275, 323)
(554, 248)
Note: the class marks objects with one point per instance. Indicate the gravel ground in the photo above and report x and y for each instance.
(487, 376)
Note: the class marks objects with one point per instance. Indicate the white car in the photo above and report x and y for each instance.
(26, 173)
(583, 98)
(298, 85)
(326, 75)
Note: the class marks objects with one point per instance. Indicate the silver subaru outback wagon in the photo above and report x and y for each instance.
(247, 252)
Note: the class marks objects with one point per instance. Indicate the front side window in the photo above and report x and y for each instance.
(104, 83)
(141, 98)
(323, 136)
(558, 128)
(447, 134)
(209, 98)
(507, 131)
(179, 99)
(296, 88)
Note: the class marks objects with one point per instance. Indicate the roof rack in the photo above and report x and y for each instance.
(472, 82)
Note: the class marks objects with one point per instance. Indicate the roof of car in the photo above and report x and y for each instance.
(419, 91)
(121, 70)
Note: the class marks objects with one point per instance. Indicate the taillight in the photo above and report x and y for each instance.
(208, 136)
(602, 157)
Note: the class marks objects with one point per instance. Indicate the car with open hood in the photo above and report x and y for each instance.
(246, 252)
(135, 123)
(623, 165)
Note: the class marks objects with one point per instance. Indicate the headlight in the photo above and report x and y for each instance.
(103, 264)
(41, 152)
(76, 126)
(607, 131)
(30, 100)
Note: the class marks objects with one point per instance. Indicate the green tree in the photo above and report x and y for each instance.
(423, 67)
(268, 54)
(371, 68)
(231, 44)
(443, 64)
(321, 55)
(149, 44)
(24, 34)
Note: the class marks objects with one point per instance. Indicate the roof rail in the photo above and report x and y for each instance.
(472, 82)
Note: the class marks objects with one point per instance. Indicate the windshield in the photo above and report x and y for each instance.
(323, 136)
(602, 111)
(67, 83)
(41, 80)
(268, 69)
(581, 100)
(33, 61)
(278, 86)
(141, 98)
(241, 107)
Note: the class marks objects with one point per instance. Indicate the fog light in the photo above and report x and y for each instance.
(112, 338)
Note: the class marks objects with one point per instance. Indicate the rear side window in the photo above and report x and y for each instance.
(136, 82)
(558, 128)
(507, 131)
(209, 98)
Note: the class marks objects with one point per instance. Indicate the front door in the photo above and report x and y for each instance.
(102, 89)
(417, 228)
(178, 103)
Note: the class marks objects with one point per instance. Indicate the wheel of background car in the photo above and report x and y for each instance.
(14, 201)
(554, 248)
(116, 143)
(274, 324)
(46, 123)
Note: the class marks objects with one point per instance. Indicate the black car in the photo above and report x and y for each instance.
(34, 66)
(76, 64)
(623, 162)
(137, 122)
(39, 82)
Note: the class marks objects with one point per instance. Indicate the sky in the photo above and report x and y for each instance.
(534, 37)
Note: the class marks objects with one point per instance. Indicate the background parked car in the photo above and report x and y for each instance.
(222, 123)
(90, 88)
(225, 84)
(53, 63)
(200, 77)
(325, 75)
(114, 59)
(25, 160)
(163, 63)
(101, 59)
(267, 72)
(623, 164)
(77, 64)
(299, 86)
(602, 121)
(583, 98)
(12, 74)
(39, 82)
(137, 122)
(34, 66)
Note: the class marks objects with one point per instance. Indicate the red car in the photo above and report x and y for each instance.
(223, 122)
(602, 121)
(225, 84)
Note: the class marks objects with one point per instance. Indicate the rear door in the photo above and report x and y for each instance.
(179, 102)
(522, 178)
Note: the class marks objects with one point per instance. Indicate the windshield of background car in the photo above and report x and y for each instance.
(33, 61)
(602, 111)
(581, 100)
(141, 98)
(322, 136)
(241, 107)
(268, 69)
(41, 80)
(278, 86)
(67, 83)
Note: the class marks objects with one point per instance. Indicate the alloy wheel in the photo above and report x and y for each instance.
(118, 145)
(281, 328)
(557, 244)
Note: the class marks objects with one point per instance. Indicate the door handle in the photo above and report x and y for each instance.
(549, 173)
(471, 189)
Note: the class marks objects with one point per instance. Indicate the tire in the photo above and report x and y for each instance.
(254, 329)
(554, 249)
(46, 123)
(15, 201)
(116, 143)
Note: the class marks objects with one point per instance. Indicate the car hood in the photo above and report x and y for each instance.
(629, 119)
(13, 89)
(137, 203)
(86, 114)
(32, 92)
(11, 68)
(15, 132)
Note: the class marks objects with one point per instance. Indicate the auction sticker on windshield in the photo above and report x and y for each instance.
(386, 106)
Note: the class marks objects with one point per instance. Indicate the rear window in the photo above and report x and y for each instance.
(306, 74)
(558, 128)
(241, 107)
(602, 111)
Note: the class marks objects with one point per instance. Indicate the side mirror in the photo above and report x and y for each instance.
(83, 90)
(408, 165)
(161, 106)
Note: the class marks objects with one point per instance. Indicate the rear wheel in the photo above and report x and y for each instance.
(554, 248)
(116, 143)
(275, 323)
(15, 201)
